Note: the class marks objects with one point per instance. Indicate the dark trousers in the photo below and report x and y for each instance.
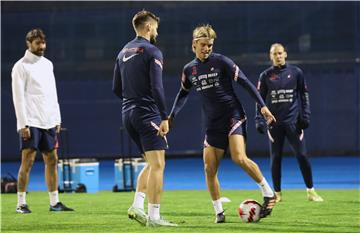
(295, 136)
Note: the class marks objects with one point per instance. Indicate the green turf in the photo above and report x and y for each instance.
(107, 212)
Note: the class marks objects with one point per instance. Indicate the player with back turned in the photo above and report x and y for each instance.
(138, 82)
(212, 75)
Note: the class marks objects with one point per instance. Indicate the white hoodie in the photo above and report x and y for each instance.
(34, 92)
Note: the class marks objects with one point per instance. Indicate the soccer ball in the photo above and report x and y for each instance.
(249, 211)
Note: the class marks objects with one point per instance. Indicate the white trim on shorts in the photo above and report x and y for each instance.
(237, 125)
(157, 128)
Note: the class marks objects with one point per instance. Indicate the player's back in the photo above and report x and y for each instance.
(134, 62)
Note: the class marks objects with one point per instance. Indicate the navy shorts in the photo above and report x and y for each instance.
(219, 136)
(40, 139)
(142, 126)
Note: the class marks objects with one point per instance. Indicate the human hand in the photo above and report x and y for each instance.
(267, 115)
(163, 128)
(58, 128)
(260, 127)
(303, 124)
(25, 133)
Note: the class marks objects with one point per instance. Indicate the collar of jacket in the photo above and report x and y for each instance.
(280, 67)
(32, 58)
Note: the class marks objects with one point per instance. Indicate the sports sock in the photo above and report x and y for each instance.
(139, 199)
(310, 190)
(54, 197)
(265, 188)
(154, 211)
(21, 198)
(218, 206)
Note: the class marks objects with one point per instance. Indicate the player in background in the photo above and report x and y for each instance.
(138, 82)
(284, 90)
(38, 118)
(212, 75)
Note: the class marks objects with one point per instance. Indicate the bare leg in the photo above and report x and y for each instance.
(212, 156)
(142, 179)
(156, 163)
(51, 175)
(27, 160)
(238, 155)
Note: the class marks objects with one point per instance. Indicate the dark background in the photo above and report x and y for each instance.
(83, 39)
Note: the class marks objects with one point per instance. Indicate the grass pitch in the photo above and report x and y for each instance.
(192, 210)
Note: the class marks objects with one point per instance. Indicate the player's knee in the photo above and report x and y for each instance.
(241, 161)
(157, 165)
(50, 158)
(302, 158)
(210, 170)
(51, 162)
(25, 167)
(275, 156)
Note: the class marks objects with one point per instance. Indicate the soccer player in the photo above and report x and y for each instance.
(212, 75)
(38, 117)
(138, 82)
(284, 90)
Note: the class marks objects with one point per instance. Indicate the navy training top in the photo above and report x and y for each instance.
(212, 79)
(137, 77)
(285, 93)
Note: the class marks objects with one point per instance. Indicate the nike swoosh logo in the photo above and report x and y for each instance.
(125, 59)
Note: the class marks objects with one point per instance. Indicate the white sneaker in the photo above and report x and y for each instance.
(138, 215)
(160, 223)
(313, 196)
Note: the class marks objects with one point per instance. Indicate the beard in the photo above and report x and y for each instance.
(39, 52)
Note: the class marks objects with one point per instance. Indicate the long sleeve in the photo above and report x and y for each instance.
(181, 96)
(57, 110)
(179, 102)
(244, 82)
(57, 113)
(157, 90)
(18, 90)
(117, 85)
(233, 70)
(304, 98)
(262, 89)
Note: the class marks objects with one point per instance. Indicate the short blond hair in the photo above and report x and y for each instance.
(277, 45)
(204, 32)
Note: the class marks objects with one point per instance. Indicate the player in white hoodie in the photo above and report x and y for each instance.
(38, 117)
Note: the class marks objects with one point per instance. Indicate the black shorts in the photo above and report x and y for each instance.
(40, 139)
(142, 127)
(218, 136)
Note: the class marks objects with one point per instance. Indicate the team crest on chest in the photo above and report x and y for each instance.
(194, 71)
(274, 77)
